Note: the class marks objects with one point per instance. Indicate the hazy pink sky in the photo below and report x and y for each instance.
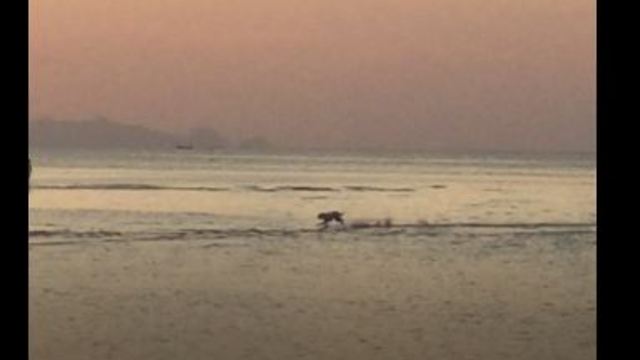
(377, 73)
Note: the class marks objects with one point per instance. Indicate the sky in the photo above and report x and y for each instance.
(380, 74)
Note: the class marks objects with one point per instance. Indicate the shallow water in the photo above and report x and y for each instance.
(94, 195)
(192, 255)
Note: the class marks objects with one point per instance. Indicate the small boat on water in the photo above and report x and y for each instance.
(184, 147)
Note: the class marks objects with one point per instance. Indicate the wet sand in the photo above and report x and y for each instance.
(316, 296)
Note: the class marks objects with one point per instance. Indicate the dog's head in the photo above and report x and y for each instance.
(325, 216)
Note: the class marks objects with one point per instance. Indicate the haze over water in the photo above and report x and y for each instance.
(402, 74)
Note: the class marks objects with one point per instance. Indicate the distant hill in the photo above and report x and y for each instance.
(103, 133)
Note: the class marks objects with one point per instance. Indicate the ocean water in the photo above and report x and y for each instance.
(80, 196)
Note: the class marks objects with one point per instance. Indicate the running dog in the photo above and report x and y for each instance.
(329, 216)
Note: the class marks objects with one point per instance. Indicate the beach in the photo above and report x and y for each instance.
(174, 255)
(319, 180)
(325, 295)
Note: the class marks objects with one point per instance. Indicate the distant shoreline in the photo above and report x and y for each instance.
(589, 158)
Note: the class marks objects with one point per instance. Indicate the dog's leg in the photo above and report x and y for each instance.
(323, 225)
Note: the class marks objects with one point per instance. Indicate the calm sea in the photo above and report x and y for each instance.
(82, 196)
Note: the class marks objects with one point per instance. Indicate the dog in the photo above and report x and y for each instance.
(329, 216)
